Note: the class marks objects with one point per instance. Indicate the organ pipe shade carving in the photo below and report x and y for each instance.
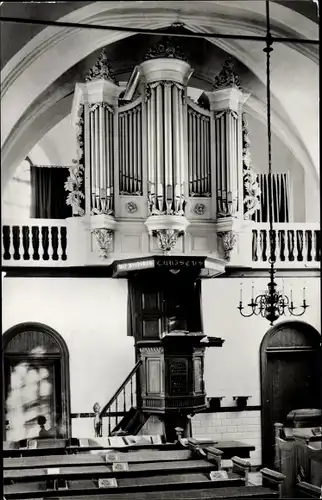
(101, 123)
(199, 166)
(165, 137)
(130, 150)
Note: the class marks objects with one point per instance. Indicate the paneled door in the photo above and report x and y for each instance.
(290, 377)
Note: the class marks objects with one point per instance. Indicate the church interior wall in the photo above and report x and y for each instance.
(283, 161)
(90, 314)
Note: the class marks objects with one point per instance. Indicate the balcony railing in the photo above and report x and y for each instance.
(297, 244)
(34, 242)
(44, 242)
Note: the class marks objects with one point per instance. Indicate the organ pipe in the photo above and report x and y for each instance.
(101, 156)
(97, 164)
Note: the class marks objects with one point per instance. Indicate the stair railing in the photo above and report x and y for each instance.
(124, 398)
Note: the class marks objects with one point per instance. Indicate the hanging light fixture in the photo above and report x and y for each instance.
(273, 303)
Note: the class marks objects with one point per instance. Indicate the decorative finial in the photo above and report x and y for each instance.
(101, 70)
(166, 49)
(227, 77)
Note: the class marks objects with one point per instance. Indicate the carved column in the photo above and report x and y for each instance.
(98, 97)
(166, 73)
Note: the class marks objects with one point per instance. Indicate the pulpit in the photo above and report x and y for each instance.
(164, 317)
(172, 383)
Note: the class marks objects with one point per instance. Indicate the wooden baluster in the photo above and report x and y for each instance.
(297, 253)
(254, 245)
(300, 244)
(50, 250)
(131, 384)
(6, 242)
(290, 244)
(109, 422)
(11, 248)
(317, 246)
(281, 238)
(40, 249)
(116, 411)
(124, 400)
(59, 245)
(263, 245)
(306, 246)
(20, 240)
(30, 243)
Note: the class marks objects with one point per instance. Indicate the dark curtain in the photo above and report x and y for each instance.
(280, 197)
(48, 195)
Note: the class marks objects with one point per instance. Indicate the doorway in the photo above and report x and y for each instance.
(35, 382)
(290, 359)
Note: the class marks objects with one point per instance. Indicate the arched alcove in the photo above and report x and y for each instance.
(35, 348)
(290, 359)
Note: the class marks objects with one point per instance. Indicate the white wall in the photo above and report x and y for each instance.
(90, 314)
(234, 369)
(303, 206)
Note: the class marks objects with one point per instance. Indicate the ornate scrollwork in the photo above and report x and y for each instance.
(101, 70)
(227, 77)
(167, 238)
(200, 208)
(252, 190)
(104, 239)
(131, 207)
(229, 240)
(166, 49)
(76, 171)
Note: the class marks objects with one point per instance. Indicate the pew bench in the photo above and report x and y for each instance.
(307, 490)
(224, 493)
(75, 445)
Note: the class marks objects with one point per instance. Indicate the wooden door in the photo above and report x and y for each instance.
(290, 377)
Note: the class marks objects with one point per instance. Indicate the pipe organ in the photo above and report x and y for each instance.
(156, 158)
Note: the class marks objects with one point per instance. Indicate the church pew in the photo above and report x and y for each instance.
(121, 455)
(307, 490)
(221, 493)
(36, 447)
(124, 485)
(97, 459)
(167, 481)
(49, 447)
(105, 470)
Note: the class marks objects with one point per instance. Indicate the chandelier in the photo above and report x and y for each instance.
(273, 303)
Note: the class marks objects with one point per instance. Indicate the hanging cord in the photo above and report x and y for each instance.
(268, 49)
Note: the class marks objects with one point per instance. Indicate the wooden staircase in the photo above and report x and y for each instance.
(124, 404)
